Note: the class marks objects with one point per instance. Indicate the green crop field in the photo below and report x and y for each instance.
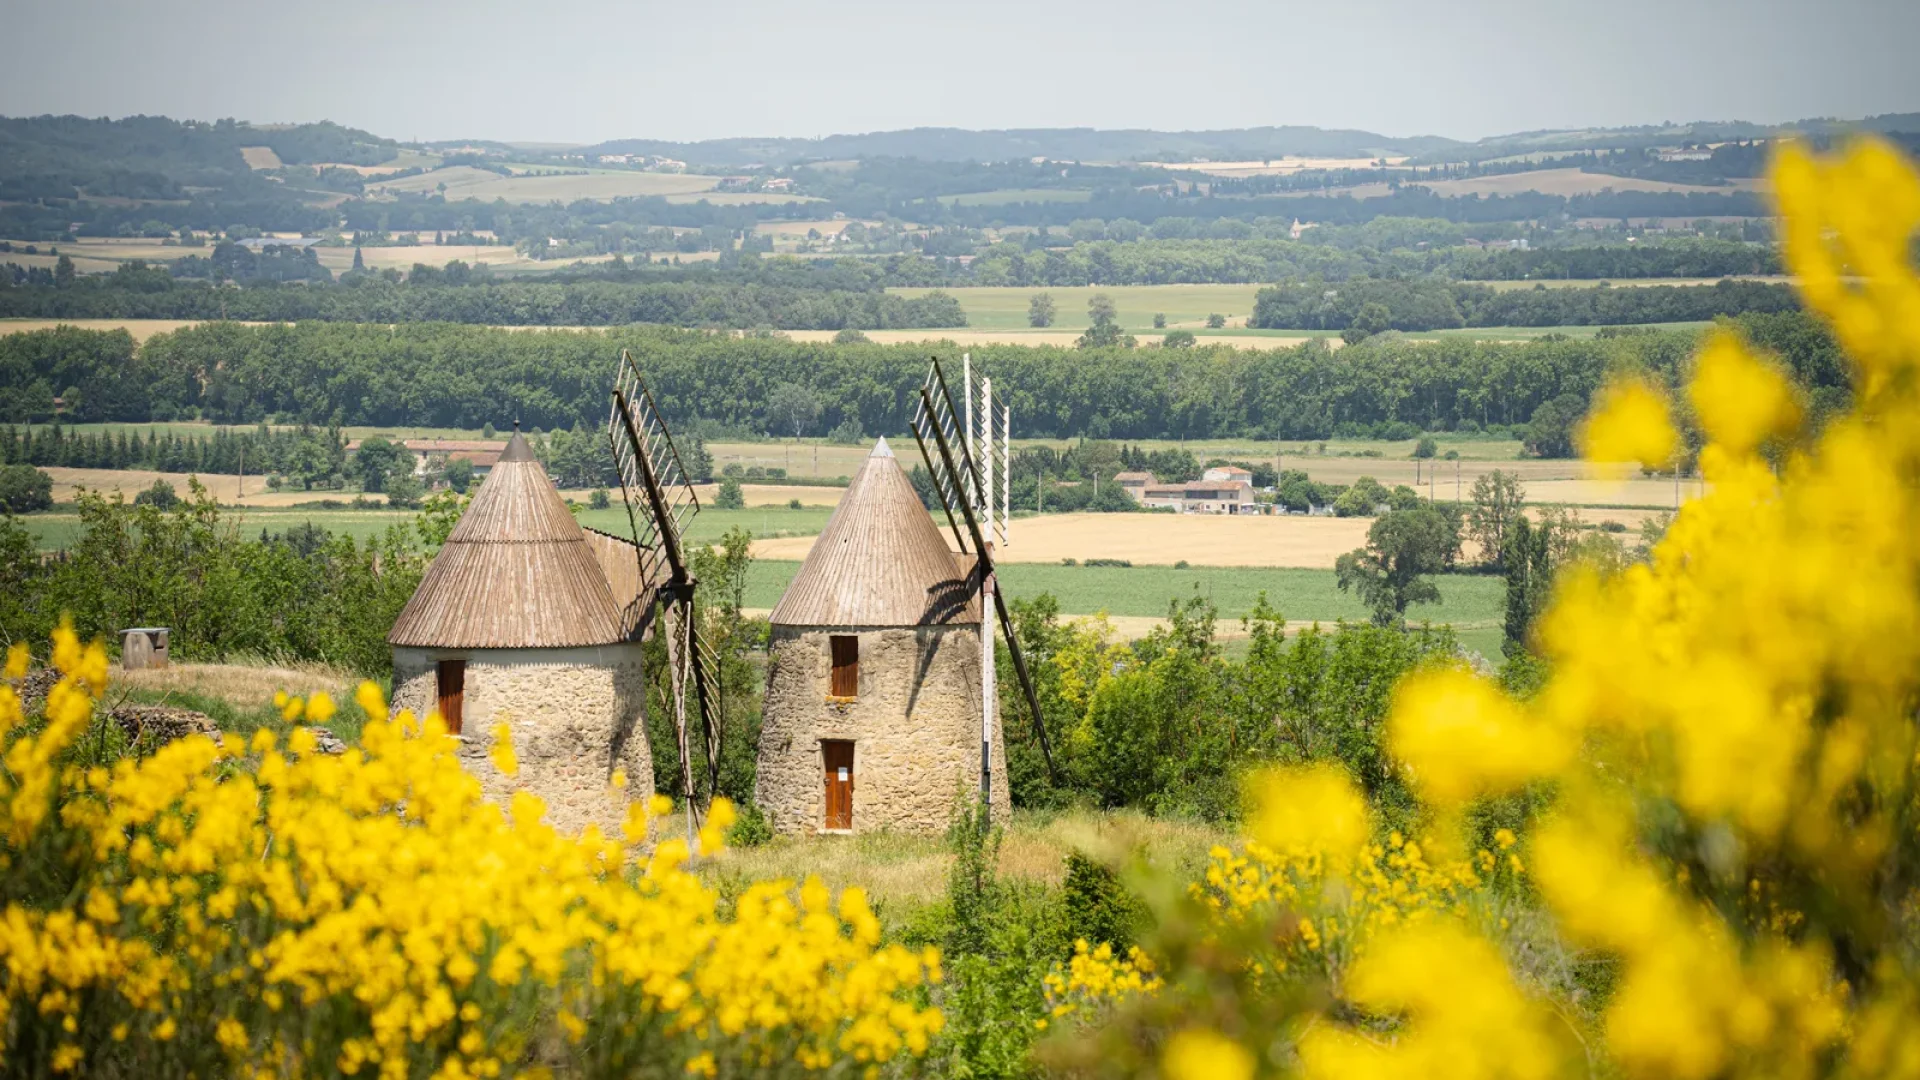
(1472, 603)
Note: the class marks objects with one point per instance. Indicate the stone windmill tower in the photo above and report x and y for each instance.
(525, 618)
(874, 705)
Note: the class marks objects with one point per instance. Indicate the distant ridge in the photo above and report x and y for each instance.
(1065, 144)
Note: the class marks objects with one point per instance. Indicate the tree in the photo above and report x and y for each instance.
(1426, 447)
(359, 263)
(1105, 330)
(378, 459)
(1361, 499)
(850, 336)
(1159, 320)
(730, 497)
(404, 491)
(1390, 573)
(458, 474)
(1550, 433)
(24, 489)
(1372, 318)
(1178, 339)
(1522, 599)
(1497, 499)
(63, 273)
(599, 499)
(161, 496)
(1040, 310)
(1216, 321)
(792, 407)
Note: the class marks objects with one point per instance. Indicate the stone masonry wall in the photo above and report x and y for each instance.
(574, 716)
(915, 729)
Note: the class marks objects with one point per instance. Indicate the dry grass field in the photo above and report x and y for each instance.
(1159, 539)
(1185, 306)
(825, 227)
(1283, 166)
(498, 256)
(467, 182)
(228, 490)
(141, 329)
(243, 686)
(260, 157)
(905, 872)
(1565, 182)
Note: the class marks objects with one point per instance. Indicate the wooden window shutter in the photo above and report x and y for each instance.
(452, 678)
(846, 665)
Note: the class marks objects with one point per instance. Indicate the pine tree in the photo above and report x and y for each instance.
(359, 264)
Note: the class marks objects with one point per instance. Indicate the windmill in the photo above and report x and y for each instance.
(660, 505)
(964, 456)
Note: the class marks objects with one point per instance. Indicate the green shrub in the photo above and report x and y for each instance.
(1098, 907)
(750, 829)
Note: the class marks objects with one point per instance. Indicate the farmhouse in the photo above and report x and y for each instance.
(874, 703)
(1203, 497)
(482, 453)
(526, 619)
(1133, 483)
(1228, 474)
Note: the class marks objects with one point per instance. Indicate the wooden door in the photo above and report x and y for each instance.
(838, 755)
(452, 678)
(846, 666)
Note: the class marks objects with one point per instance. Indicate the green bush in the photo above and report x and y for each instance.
(24, 489)
(1099, 909)
(751, 828)
(730, 497)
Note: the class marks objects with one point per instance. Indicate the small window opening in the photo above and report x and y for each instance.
(846, 665)
(452, 678)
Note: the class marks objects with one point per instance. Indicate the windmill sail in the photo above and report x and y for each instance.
(661, 504)
(960, 483)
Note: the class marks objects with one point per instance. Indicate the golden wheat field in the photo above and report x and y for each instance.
(228, 490)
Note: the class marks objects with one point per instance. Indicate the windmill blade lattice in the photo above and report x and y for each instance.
(958, 483)
(661, 504)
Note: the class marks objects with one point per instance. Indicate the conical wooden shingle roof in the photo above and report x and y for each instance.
(880, 561)
(516, 573)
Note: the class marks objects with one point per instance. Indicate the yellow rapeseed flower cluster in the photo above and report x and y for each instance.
(1095, 978)
(1329, 891)
(1719, 780)
(271, 910)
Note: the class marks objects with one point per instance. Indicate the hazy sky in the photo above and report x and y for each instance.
(588, 70)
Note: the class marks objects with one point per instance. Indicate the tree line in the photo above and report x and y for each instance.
(447, 375)
(137, 292)
(1380, 304)
(1235, 261)
(1410, 201)
(299, 452)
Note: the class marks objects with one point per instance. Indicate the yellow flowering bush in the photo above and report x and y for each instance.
(1095, 977)
(213, 909)
(1718, 778)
